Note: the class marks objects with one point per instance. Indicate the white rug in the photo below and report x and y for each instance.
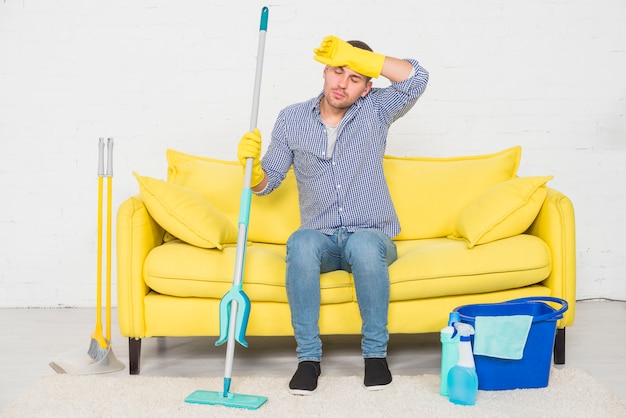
(571, 393)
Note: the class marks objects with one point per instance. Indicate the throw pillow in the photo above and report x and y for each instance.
(502, 211)
(430, 193)
(273, 217)
(186, 214)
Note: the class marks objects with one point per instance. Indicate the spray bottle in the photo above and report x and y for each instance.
(462, 378)
(449, 351)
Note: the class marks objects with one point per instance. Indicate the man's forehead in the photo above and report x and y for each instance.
(350, 72)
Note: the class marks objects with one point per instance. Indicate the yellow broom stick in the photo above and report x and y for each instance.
(109, 176)
(98, 343)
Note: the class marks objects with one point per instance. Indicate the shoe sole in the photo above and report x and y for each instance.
(377, 387)
(302, 392)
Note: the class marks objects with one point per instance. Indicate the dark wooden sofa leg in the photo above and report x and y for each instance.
(559, 346)
(134, 354)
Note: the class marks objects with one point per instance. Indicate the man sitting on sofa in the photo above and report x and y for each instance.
(336, 142)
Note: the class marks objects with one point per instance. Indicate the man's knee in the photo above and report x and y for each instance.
(367, 244)
(307, 242)
(303, 238)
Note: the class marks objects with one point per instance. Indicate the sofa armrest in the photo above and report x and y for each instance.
(555, 224)
(136, 234)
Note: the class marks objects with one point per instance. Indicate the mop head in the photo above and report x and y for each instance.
(232, 400)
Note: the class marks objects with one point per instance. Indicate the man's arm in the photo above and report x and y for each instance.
(396, 70)
(338, 53)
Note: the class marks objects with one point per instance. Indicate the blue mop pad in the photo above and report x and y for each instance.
(232, 400)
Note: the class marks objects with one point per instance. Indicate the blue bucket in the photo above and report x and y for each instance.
(533, 369)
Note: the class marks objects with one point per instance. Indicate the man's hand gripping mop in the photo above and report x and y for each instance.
(235, 305)
(99, 358)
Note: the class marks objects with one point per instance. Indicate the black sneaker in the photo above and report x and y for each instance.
(377, 374)
(304, 380)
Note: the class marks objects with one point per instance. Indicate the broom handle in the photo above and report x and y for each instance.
(99, 245)
(109, 176)
(244, 209)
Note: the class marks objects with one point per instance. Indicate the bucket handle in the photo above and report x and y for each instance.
(552, 315)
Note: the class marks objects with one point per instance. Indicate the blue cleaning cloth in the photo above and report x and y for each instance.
(501, 336)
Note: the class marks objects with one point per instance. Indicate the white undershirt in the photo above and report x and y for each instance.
(331, 133)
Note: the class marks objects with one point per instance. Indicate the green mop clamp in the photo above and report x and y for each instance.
(235, 304)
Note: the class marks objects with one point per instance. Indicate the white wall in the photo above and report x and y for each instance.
(157, 74)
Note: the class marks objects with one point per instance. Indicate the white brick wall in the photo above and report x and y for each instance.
(547, 75)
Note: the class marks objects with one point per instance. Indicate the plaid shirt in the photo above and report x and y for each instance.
(349, 189)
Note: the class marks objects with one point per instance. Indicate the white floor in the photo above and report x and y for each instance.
(31, 338)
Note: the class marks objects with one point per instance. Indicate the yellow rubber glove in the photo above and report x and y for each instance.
(337, 53)
(250, 147)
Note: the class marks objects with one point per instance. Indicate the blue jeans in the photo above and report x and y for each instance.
(367, 254)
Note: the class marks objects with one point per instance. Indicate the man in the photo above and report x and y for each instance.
(336, 142)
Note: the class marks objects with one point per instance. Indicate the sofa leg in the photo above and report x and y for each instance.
(559, 346)
(134, 354)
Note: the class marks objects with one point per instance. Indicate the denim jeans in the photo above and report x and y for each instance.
(367, 254)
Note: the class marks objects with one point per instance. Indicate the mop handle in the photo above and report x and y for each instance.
(246, 194)
(244, 209)
(259, 69)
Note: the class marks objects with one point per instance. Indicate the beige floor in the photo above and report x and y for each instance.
(31, 338)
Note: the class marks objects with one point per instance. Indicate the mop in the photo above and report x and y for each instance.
(235, 305)
(99, 357)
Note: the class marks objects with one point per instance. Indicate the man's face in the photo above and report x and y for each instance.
(343, 87)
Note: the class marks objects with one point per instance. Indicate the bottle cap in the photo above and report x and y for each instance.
(454, 317)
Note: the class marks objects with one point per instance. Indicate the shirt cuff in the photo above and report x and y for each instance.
(260, 192)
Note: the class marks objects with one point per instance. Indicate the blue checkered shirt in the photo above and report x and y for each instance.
(347, 190)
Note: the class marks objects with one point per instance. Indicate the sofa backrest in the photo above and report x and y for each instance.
(428, 193)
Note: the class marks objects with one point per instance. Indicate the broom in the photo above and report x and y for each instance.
(99, 345)
(99, 357)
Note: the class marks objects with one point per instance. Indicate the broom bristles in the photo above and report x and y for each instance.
(96, 351)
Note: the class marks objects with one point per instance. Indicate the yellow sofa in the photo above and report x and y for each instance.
(473, 231)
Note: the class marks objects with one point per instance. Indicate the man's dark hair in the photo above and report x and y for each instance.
(361, 45)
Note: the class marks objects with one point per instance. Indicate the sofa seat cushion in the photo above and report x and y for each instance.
(424, 269)
(180, 269)
(443, 267)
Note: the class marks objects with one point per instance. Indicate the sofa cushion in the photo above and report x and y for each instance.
(502, 211)
(430, 193)
(186, 214)
(272, 218)
(443, 267)
(179, 269)
(424, 269)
